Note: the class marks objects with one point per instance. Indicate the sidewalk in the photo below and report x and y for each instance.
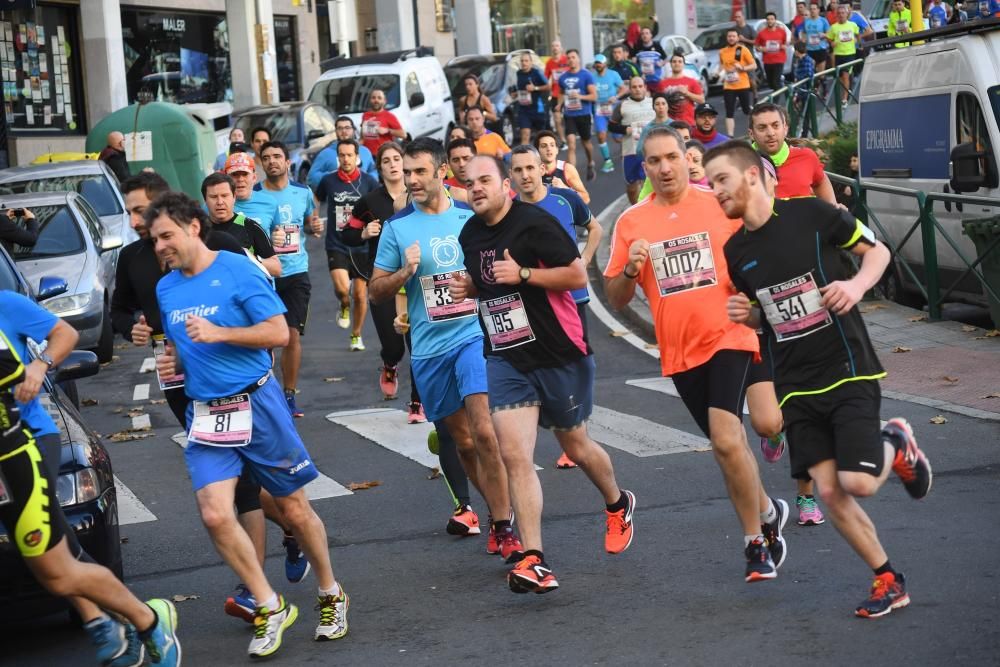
(945, 365)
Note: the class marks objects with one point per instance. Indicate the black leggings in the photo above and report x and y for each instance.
(451, 464)
(774, 75)
(393, 344)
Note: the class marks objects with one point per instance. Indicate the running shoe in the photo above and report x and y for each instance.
(108, 637)
(162, 644)
(492, 542)
(511, 548)
(608, 167)
(759, 563)
(416, 415)
(809, 512)
(565, 462)
(563, 146)
(296, 564)
(772, 533)
(531, 574)
(591, 174)
(772, 448)
(292, 408)
(269, 626)
(332, 616)
(357, 345)
(888, 593)
(910, 464)
(388, 382)
(241, 604)
(433, 443)
(134, 654)
(344, 317)
(620, 531)
(463, 522)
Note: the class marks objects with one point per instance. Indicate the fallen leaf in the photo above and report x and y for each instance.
(900, 348)
(619, 334)
(992, 333)
(435, 473)
(948, 378)
(939, 420)
(118, 410)
(918, 318)
(135, 412)
(651, 346)
(968, 329)
(332, 379)
(87, 402)
(123, 346)
(874, 306)
(993, 395)
(158, 401)
(131, 434)
(185, 598)
(358, 486)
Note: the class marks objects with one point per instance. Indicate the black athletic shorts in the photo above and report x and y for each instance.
(841, 424)
(338, 259)
(294, 291)
(720, 382)
(578, 125)
(840, 60)
(763, 371)
(730, 97)
(29, 508)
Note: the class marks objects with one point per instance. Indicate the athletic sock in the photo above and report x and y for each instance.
(333, 590)
(770, 515)
(747, 539)
(501, 526)
(145, 634)
(886, 567)
(534, 552)
(605, 151)
(271, 603)
(619, 504)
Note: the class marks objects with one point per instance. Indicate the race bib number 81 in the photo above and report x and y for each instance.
(683, 264)
(794, 308)
(223, 422)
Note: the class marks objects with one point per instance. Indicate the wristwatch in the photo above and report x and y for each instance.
(45, 359)
(524, 273)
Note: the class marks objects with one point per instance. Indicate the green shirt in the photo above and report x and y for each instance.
(844, 37)
(900, 24)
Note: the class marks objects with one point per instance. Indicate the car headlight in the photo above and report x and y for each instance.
(79, 487)
(67, 304)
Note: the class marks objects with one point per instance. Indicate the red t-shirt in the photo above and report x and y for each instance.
(370, 123)
(772, 42)
(800, 174)
(558, 65)
(685, 110)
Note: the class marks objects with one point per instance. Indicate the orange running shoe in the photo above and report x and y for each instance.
(620, 529)
(492, 543)
(531, 575)
(463, 522)
(565, 462)
(888, 593)
(511, 549)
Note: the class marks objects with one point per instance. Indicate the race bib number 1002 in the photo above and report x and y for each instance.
(506, 322)
(683, 264)
(794, 308)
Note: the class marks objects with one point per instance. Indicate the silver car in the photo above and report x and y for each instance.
(72, 245)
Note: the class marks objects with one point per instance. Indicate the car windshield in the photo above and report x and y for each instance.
(282, 126)
(95, 188)
(350, 94)
(711, 40)
(58, 234)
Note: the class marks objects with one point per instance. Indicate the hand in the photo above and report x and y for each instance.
(638, 253)
(460, 286)
(382, 129)
(371, 230)
(558, 182)
(401, 323)
(166, 363)
(316, 225)
(507, 271)
(530, 87)
(841, 295)
(141, 332)
(28, 389)
(738, 308)
(201, 330)
(413, 259)
(279, 237)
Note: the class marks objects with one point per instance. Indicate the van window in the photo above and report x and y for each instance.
(971, 125)
(994, 96)
(412, 86)
(349, 94)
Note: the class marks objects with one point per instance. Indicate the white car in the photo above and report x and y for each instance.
(693, 56)
(414, 83)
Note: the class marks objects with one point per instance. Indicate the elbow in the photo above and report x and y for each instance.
(280, 335)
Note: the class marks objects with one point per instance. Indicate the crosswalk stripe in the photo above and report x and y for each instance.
(148, 365)
(639, 436)
(141, 423)
(664, 386)
(130, 509)
(141, 392)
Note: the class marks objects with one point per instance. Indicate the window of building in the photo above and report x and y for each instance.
(177, 57)
(288, 69)
(518, 24)
(42, 82)
(611, 19)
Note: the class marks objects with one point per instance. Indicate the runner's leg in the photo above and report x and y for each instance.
(310, 533)
(493, 474)
(592, 459)
(847, 515)
(517, 431)
(360, 303)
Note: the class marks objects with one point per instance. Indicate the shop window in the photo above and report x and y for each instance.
(518, 24)
(444, 15)
(40, 61)
(288, 70)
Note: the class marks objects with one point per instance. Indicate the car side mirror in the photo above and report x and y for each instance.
(78, 364)
(972, 168)
(111, 242)
(50, 286)
(313, 135)
(416, 100)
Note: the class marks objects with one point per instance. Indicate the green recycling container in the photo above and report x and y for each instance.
(176, 144)
(984, 232)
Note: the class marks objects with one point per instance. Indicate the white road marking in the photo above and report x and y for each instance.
(664, 386)
(130, 509)
(141, 423)
(148, 365)
(141, 392)
(641, 437)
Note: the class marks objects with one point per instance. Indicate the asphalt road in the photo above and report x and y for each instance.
(677, 596)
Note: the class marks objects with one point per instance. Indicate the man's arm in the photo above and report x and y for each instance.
(557, 278)
(594, 234)
(124, 302)
(591, 95)
(573, 180)
(384, 284)
(272, 332)
(11, 232)
(695, 97)
(842, 295)
(621, 288)
(61, 341)
(824, 190)
(397, 131)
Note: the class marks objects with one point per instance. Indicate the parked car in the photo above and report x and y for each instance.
(305, 127)
(694, 58)
(712, 39)
(415, 86)
(73, 246)
(458, 67)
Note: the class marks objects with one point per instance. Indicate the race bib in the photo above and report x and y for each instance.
(902, 26)
(437, 299)
(846, 36)
(813, 39)
(573, 100)
(287, 239)
(732, 77)
(159, 349)
(506, 322)
(683, 264)
(341, 215)
(636, 131)
(794, 308)
(223, 422)
(523, 97)
(648, 66)
(772, 45)
(369, 129)
(605, 108)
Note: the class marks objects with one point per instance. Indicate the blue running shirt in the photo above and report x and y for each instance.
(262, 208)
(295, 204)
(21, 319)
(566, 206)
(576, 83)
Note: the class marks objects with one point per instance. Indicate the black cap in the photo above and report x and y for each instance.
(705, 108)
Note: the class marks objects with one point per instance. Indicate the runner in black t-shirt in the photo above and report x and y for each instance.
(540, 370)
(826, 370)
(219, 193)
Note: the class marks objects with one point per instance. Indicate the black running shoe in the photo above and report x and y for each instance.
(772, 532)
(888, 593)
(910, 464)
(591, 174)
(759, 563)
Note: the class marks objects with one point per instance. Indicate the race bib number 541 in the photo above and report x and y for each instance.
(684, 263)
(794, 308)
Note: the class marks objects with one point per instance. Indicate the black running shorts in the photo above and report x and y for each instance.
(294, 291)
(720, 382)
(762, 371)
(578, 125)
(29, 508)
(340, 260)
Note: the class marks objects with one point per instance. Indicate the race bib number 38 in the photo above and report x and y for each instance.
(287, 239)
(223, 422)
(506, 322)
(684, 263)
(438, 302)
(794, 308)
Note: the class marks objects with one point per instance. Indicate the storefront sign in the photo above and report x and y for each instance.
(173, 25)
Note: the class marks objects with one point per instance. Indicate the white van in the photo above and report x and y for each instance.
(414, 83)
(930, 121)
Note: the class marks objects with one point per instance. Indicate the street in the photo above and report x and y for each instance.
(677, 596)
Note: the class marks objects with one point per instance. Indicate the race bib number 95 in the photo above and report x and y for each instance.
(794, 308)
(683, 264)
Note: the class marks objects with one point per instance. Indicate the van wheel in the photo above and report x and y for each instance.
(891, 288)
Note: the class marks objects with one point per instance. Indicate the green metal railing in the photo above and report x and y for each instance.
(805, 112)
(929, 227)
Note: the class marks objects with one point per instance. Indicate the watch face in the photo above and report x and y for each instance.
(525, 273)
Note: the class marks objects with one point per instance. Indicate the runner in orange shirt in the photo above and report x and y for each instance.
(671, 245)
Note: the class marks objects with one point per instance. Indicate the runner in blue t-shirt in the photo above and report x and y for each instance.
(296, 216)
(221, 317)
(813, 33)
(577, 93)
(528, 94)
(259, 206)
(419, 250)
(609, 86)
(937, 16)
(326, 159)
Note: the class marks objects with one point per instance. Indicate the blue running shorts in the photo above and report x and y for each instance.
(445, 380)
(564, 395)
